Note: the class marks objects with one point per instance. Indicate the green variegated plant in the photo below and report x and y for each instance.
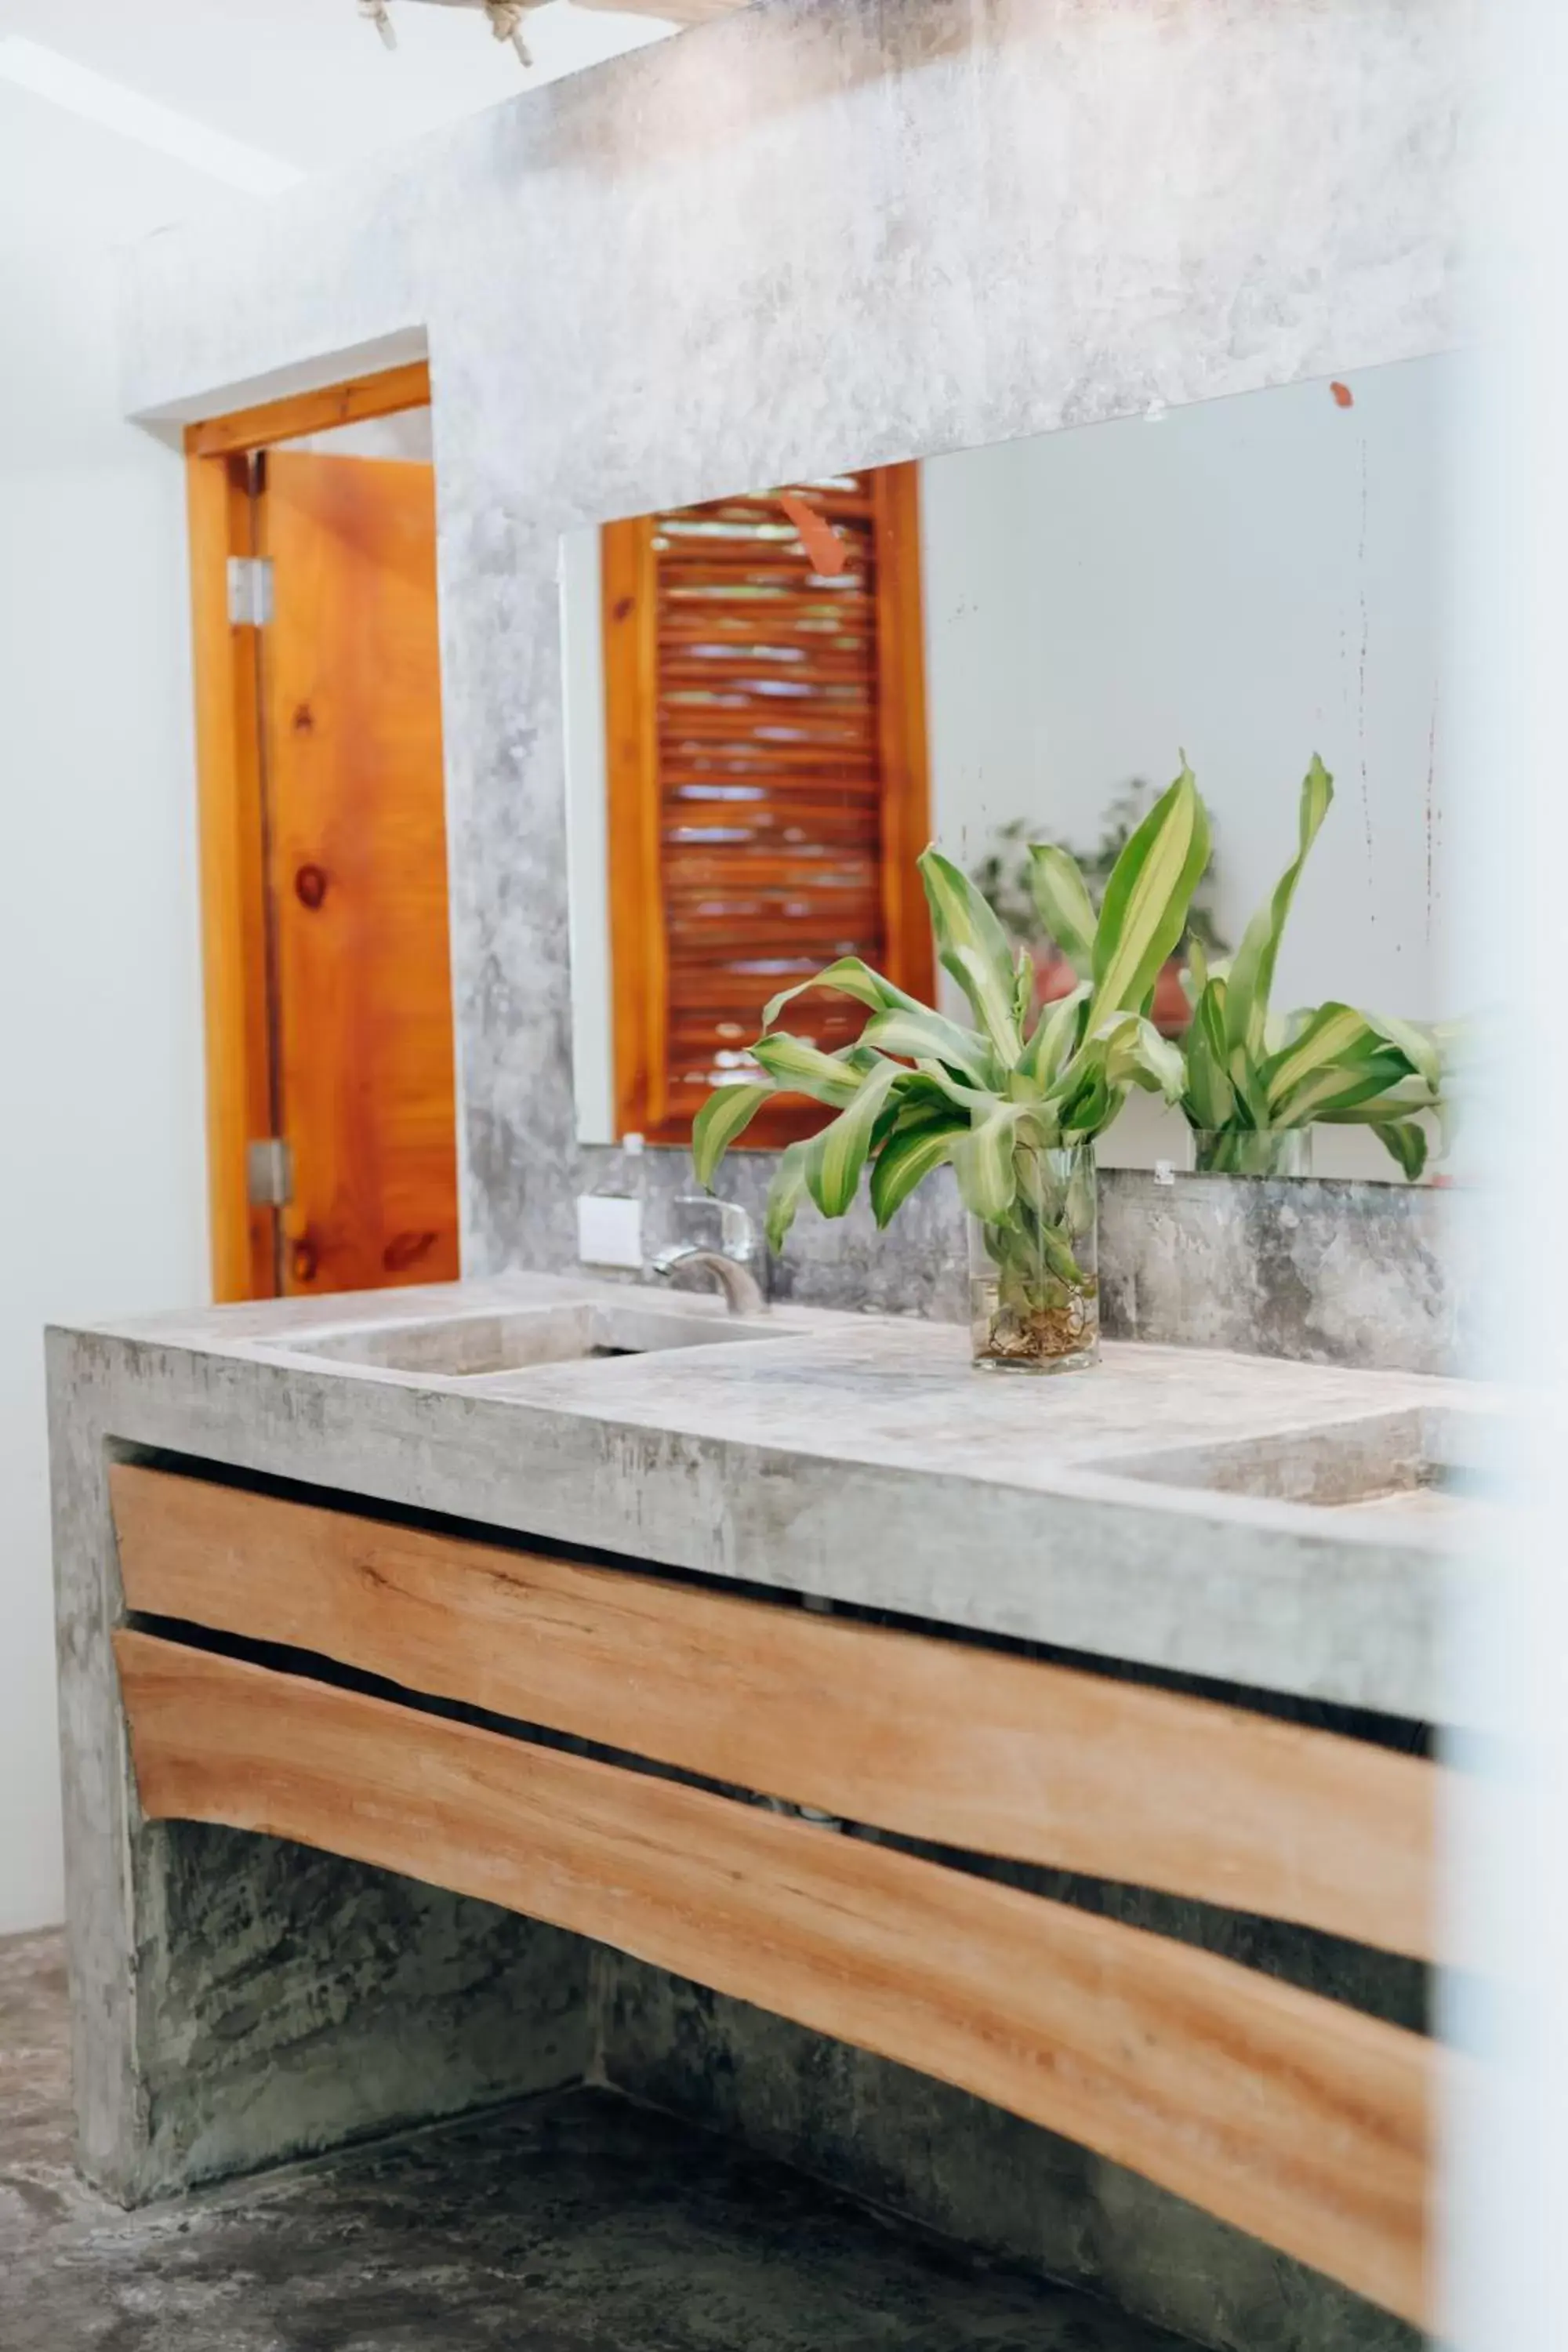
(1009, 1103)
(1252, 1076)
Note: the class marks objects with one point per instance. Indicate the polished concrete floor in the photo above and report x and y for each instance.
(575, 2223)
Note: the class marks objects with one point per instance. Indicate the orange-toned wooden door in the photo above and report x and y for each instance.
(356, 864)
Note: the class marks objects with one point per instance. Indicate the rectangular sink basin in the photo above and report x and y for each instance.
(480, 1346)
(1427, 1459)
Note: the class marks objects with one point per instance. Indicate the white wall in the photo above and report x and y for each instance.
(101, 1171)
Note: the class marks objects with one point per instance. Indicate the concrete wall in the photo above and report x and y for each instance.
(804, 237)
(103, 1186)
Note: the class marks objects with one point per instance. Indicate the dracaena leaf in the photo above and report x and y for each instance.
(1210, 1100)
(1022, 987)
(1091, 1107)
(848, 977)
(1246, 1084)
(836, 1156)
(1406, 1142)
(905, 1160)
(784, 1194)
(1136, 1055)
(1418, 1045)
(983, 1163)
(973, 948)
(1056, 1038)
(917, 1036)
(1063, 904)
(1252, 966)
(962, 1096)
(1339, 1086)
(922, 1098)
(796, 1066)
(1144, 911)
(1334, 1034)
(726, 1114)
(1400, 1098)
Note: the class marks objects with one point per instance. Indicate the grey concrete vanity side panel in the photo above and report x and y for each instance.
(290, 2001)
(1224, 1587)
(237, 2001)
(96, 1789)
(1317, 1271)
(951, 2162)
(805, 236)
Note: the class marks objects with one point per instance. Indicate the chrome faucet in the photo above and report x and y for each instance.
(728, 1255)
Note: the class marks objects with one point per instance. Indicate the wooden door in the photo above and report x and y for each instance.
(360, 981)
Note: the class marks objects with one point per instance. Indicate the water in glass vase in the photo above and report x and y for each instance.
(1252, 1151)
(1034, 1281)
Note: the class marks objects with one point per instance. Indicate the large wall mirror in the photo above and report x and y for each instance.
(774, 700)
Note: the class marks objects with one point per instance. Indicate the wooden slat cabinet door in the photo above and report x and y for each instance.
(768, 794)
(357, 873)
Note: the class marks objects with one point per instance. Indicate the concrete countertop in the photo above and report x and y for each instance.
(855, 1458)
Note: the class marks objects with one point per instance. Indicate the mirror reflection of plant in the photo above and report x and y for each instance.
(1250, 1073)
(918, 1092)
(1004, 876)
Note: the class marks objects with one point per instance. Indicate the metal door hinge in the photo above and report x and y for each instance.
(270, 1173)
(249, 591)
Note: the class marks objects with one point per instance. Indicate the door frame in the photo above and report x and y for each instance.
(240, 1080)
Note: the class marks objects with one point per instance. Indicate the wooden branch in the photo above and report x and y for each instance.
(946, 1740)
(1293, 2117)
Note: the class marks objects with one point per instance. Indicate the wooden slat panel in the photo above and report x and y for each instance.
(729, 945)
(812, 820)
(792, 622)
(686, 663)
(937, 1740)
(1289, 2116)
(769, 682)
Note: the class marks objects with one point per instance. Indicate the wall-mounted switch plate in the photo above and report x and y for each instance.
(609, 1230)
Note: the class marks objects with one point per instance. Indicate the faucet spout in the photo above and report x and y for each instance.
(742, 1292)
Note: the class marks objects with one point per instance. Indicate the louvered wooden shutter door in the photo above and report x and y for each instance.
(768, 792)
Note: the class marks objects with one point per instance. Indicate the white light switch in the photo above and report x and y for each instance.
(609, 1230)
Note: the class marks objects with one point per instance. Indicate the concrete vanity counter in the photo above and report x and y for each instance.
(1254, 1521)
(403, 1634)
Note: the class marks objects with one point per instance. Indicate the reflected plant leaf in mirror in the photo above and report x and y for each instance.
(1249, 1074)
(1039, 888)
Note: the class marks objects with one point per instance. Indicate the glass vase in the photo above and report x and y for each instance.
(1034, 1282)
(1252, 1151)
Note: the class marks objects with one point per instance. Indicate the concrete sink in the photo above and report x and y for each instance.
(481, 1345)
(1430, 1459)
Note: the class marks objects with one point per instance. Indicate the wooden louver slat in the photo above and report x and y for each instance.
(765, 795)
